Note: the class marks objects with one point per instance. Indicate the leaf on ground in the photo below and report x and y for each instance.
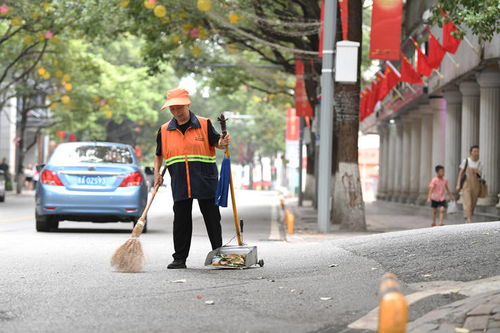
(461, 330)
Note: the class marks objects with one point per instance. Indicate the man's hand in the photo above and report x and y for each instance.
(428, 199)
(224, 141)
(158, 179)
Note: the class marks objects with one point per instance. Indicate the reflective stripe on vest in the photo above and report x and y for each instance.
(190, 158)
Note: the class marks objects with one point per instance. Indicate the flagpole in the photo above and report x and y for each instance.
(470, 44)
(438, 73)
(453, 60)
(325, 199)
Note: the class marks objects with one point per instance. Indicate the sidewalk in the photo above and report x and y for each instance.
(381, 216)
(480, 313)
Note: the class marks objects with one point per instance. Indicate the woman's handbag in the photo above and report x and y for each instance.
(483, 188)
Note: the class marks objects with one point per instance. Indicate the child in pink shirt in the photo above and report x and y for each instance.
(438, 188)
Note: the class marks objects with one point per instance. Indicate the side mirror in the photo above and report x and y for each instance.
(39, 167)
(149, 171)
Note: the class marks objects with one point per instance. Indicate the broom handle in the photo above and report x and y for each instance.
(153, 193)
(233, 202)
(222, 121)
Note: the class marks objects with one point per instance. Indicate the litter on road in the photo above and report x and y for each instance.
(178, 281)
(325, 298)
(209, 302)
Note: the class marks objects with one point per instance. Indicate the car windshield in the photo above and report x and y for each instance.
(71, 154)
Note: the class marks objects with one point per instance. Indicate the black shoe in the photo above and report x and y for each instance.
(176, 264)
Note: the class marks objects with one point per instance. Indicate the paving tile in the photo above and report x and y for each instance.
(493, 330)
(476, 322)
(495, 299)
(492, 323)
(496, 309)
(425, 328)
(483, 309)
(445, 328)
(496, 316)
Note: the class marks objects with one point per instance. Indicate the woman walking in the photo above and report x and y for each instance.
(468, 181)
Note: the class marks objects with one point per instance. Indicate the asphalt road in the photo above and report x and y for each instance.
(61, 281)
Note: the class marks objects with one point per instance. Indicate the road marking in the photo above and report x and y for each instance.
(16, 219)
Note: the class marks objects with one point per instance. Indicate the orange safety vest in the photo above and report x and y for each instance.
(190, 159)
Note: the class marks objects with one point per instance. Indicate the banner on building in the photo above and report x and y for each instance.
(385, 36)
(292, 125)
(344, 17)
(302, 105)
(321, 29)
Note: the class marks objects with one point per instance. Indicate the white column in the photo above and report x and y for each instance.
(416, 129)
(453, 138)
(391, 165)
(383, 159)
(489, 132)
(470, 116)
(398, 160)
(438, 105)
(406, 159)
(426, 148)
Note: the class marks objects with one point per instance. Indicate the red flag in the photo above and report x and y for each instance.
(450, 43)
(385, 36)
(372, 100)
(344, 16)
(436, 51)
(382, 89)
(302, 105)
(362, 105)
(408, 73)
(321, 28)
(423, 67)
(393, 77)
(387, 83)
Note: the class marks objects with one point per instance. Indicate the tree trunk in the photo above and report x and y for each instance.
(21, 129)
(348, 204)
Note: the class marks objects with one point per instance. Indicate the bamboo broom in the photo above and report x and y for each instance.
(129, 257)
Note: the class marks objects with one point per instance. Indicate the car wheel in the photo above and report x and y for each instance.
(2, 198)
(145, 227)
(46, 223)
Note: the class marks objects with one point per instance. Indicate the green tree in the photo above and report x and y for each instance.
(480, 16)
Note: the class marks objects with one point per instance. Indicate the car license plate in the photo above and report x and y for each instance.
(91, 180)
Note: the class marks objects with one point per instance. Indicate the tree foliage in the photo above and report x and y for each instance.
(480, 16)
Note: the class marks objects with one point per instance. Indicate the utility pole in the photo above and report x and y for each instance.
(326, 125)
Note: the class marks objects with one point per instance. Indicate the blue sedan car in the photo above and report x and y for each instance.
(90, 181)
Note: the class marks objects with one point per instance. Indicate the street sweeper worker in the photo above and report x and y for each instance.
(187, 145)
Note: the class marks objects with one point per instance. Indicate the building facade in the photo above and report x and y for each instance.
(436, 124)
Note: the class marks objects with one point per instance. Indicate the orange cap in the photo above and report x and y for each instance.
(176, 96)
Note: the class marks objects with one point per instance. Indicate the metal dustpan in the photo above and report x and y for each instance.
(233, 256)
